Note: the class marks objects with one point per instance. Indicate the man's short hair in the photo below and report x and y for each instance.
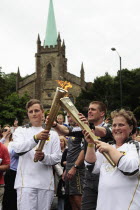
(31, 102)
(102, 106)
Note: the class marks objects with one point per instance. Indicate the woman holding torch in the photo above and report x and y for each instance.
(119, 187)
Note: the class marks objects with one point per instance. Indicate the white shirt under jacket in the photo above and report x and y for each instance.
(39, 174)
(119, 187)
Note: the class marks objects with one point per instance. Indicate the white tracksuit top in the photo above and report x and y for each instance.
(35, 174)
(119, 187)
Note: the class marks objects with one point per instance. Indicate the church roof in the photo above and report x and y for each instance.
(51, 32)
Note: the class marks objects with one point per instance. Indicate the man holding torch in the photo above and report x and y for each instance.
(96, 115)
(34, 180)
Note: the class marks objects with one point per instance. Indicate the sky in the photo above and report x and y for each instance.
(90, 29)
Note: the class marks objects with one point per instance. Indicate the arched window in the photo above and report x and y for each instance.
(49, 72)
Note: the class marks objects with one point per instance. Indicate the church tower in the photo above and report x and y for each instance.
(51, 64)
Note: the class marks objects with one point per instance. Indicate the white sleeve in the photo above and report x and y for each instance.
(20, 143)
(55, 154)
(98, 163)
(129, 163)
(2, 140)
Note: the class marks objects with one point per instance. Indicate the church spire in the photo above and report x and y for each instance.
(82, 70)
(17, 79)
(51, 32)
(82, 73)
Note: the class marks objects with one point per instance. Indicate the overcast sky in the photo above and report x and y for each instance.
(90, 29)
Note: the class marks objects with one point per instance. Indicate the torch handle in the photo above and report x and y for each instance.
(93, 137)
(52, 114)
(69, 106)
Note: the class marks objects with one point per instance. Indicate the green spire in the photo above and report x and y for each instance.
(51, 32)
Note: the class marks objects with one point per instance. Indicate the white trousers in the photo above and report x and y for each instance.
(34, 199)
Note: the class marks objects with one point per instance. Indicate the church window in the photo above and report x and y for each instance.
(49, 72)
(49, 94)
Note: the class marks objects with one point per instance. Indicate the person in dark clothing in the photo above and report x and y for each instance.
(75, 169)
(67, 205)
(74, 173)
(61, 184)
(96, 116)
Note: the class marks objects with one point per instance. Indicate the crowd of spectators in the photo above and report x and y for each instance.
(70, 172)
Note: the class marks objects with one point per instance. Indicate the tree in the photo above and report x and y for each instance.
(11, 104)
(10, 82)
(107, 89)
(13, 107)
(101, 90)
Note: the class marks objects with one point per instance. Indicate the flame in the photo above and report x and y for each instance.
(64, 84)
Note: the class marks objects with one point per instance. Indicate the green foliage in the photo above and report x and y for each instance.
(107, 90)
(103, 90)
(3, 88)
(137, 114)
(11, 105)
(9, 84)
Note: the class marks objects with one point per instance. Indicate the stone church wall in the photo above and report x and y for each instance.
(29, 89)
(27, 80)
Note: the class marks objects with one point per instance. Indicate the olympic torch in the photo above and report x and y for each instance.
(60, 93)
(67, 104)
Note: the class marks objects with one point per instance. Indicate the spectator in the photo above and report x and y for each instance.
(60, 119)
(15, 126)
(6, 134)
(10, 195)
(61, 184)
(4, 165)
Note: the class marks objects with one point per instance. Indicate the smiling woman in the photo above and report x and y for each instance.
(124, 178)
(123, 126)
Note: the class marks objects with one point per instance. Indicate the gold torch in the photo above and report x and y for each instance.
(70, 108)
(60, 93)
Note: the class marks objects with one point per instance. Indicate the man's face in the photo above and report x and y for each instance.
(70, 120)
(35, 114)
(94, 113)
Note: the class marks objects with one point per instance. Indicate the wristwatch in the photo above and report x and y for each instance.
(76, 166)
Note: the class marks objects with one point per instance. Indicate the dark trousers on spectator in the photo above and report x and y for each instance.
(10, 195)
(90, 191)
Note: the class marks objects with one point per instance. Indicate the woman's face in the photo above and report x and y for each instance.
(62, 144)
(121, 129)
(6, 130)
